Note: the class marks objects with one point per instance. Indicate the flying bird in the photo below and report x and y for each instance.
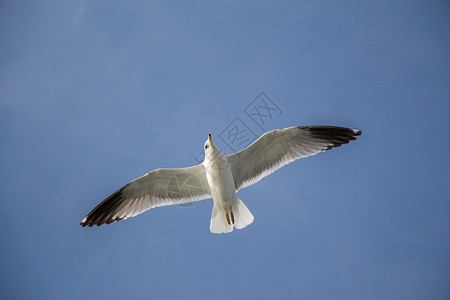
(219, 177)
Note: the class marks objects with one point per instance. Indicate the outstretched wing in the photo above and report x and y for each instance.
(277, 148)
(160, 187)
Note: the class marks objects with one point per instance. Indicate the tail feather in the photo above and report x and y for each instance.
(219, 222)
(241, 215)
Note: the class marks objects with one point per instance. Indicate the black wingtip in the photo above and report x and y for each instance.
(102, 213)
(337, 136)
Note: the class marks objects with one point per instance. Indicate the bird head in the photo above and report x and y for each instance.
(210, 148)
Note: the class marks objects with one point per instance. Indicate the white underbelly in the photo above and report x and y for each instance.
(222, 187)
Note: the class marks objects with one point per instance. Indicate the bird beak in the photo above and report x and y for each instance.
(209, 136)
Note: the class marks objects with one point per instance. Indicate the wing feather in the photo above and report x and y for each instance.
(277, 148)
(160, 187)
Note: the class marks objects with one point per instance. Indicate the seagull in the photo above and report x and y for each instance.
(219, 177)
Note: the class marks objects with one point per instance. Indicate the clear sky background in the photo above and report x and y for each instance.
(96, 93)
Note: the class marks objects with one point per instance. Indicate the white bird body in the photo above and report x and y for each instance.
(219, 177)
(223, 191)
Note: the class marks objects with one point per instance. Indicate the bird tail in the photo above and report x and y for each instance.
(223, 220)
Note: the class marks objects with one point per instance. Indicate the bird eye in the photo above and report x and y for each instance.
(206, 146)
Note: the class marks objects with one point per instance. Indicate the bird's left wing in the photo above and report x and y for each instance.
(277, 148)
(160, 187)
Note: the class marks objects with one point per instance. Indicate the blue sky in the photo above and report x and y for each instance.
(96, 93)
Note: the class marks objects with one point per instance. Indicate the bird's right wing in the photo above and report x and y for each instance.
(160, 187)
(277, 148)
